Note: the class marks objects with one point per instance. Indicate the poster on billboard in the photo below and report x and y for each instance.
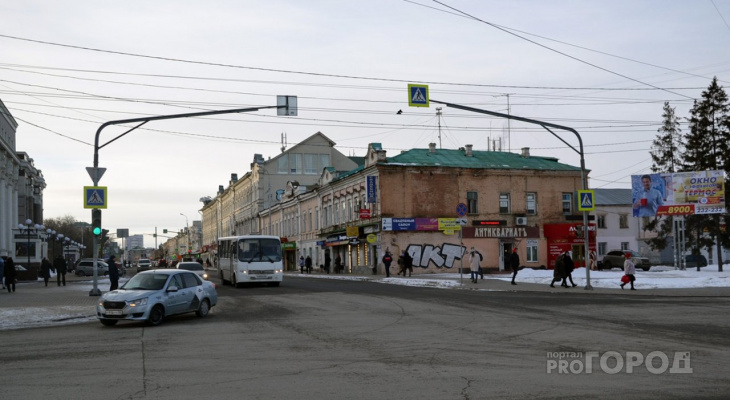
(678, 193)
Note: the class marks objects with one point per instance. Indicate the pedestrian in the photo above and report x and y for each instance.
(60, 265)
(207, 263)
(514, 262)
(629, 270)
(46, 270)
(10, 274)
(301, 264)
(2, 271)
(339, 268)
(387, 260)
(113, 273)
(407, 264)
(559, 271)
(327, 261)
(475, 267)
(308, 264)
(569, 267)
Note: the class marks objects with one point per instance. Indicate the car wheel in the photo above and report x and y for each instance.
(156, 315)
(645, 268)
(80, 273)
(204, 309)
(108, 322)
(220, 275)
(234, 282)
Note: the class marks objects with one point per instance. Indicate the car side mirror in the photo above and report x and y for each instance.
(172, 289)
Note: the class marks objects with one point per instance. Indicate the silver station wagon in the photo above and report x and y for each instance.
(151, 296)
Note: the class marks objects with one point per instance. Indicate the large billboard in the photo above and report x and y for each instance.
(678, 193)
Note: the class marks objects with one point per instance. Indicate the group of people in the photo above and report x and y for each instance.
(405, 263)
(305, 264)
(58, 267)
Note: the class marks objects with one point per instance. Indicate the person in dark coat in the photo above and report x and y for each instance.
(387, 260)
(10, 274)
(339, 268)
(45, 270)
(407, 264)
(308, 264)
(327, 261)
(569, 267)
(113, 273)
(514, 262)
(559, 271)
(60, 265)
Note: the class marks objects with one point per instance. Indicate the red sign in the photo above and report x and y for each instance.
(683, 209)
(364, 213)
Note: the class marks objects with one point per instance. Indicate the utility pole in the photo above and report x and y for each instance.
(438, 114)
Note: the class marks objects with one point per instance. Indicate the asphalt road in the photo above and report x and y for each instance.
(329, 339)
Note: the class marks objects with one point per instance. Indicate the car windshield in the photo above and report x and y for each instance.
(190, 266)
(146, 282)
(250, 250)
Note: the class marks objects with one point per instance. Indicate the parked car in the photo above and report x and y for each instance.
(151, 296)
(143, 264)
(693, 260)
(85, 267)
(195, 267)
(616, 258)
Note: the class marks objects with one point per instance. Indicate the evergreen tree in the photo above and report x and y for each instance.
(665, 151)
(706, 147)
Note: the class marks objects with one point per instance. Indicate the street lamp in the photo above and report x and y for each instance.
(187, 230)
(28, 228)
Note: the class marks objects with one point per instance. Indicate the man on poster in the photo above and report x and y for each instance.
(647, 199)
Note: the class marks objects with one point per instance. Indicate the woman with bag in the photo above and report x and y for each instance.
(629, 271)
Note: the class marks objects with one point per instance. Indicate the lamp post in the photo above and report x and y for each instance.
(28, 228)
(187, 231)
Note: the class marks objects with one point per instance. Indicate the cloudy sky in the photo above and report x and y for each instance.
(604, 68)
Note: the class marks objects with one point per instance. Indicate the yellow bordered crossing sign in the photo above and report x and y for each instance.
(586, 200)
(417, 95)
(95, 197)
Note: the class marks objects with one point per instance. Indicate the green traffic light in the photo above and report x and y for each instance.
(97, 231)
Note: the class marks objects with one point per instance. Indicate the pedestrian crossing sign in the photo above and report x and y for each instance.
(94, 196)
(586, 200)
(417, 95)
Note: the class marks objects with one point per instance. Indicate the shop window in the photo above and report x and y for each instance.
(532, 250)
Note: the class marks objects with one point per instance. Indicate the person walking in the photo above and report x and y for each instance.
(113, 273)
(559, 272)
(387, 260)
(60, 265)
(339, 268)
(301, 264)
(569, 267)
(2, 272)
(475, 267)
(308, 264)
(46, 270)
(629, 270)
(407, 264)
(10, 274)
(327, 261)
(514, 262)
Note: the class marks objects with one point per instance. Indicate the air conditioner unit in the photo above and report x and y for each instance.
(520, 220)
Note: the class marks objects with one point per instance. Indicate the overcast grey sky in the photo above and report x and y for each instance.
(604, 68)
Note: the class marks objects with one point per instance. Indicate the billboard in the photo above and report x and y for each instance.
(678, 193)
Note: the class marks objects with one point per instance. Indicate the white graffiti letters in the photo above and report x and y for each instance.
(442, 257)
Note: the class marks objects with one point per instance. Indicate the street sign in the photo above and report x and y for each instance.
(461, 209)
(586, 200)
(95, 197)
(95, 174)
(462, 221)
(417, 95)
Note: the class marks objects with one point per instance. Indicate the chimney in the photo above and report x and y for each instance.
(234, 178)
(467, 150)
(525, 152)
(432, 148)
(380, 155)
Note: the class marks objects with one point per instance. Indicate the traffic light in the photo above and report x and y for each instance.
(104, 236)
(96, 221)
(164, 231)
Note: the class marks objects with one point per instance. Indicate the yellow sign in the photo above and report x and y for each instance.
(449, 224)
(449, 232)
(352, 231)
(586, 200)
(417, 95)
(95, 197)
(372, 238)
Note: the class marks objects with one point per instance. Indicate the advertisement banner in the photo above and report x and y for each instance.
(679, 193)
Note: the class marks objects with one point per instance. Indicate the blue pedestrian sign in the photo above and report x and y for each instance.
(417, 95)
(586, 200)
(95, 197)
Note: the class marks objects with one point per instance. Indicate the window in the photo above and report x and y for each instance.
(310, 164)
(624, 245)
(623, 221)
(601, 221)
(471, 202)
(504, 203)
(567, 203)
(531, 203)
(282, 165)
(295, 163)
(532, 250)
(601, 248)
(324, 160)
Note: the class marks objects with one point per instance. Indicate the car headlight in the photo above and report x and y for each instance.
(138, 303)
(205, 276)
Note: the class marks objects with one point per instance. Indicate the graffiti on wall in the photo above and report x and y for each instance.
(443, 257)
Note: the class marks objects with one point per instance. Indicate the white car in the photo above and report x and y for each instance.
(194, 267)
(151, 296)
(143, 264)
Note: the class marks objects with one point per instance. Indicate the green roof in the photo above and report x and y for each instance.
(479, 160)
